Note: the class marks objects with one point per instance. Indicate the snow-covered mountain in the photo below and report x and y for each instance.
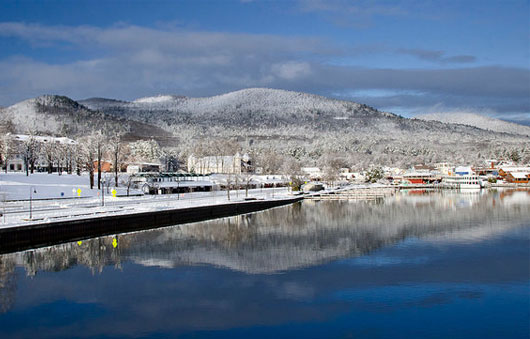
(292, 125)
(48, 114)
(53, 114)
(252, 107)
(273, 101)
(259, 108)
(477, 120)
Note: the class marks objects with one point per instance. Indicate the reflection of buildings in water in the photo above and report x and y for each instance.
(299, 235)
(514, 196)
(450, 199)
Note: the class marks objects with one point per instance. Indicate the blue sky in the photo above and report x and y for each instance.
(407, 57)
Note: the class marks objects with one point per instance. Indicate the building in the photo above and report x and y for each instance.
(106, 166)
(45, 139)
(462, 177)
(143, 167)
(345, 174)
(313, 173)
(15, 160)
(463, 170)
(421, 174)
(222, 164)
(171, 183)
(444, 168)
(518, 177)
(503, 171)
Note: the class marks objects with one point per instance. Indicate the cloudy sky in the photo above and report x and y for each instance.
(407, 57)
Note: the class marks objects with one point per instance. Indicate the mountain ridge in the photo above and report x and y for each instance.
(301, 126)
(477, 120)
(61, 115)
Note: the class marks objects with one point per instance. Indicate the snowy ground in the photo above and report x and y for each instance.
(63, 202)
(16, 186)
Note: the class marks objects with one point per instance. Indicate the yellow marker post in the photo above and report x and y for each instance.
(114, 243)
(113, 193)
(78, 192)
(79, 242)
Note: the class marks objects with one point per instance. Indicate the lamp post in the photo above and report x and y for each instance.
(103, 191)
(31, 191)
(4, 206)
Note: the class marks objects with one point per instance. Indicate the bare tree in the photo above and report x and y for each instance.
(117, 148)
(247, 179)
(29, 152)
(331, 164)
(127, 181)
(87, 153)
(107, 182)
(79, 157)
(99, 143)
(62, 158)
(70, 157)
(290, 167)
(229, 182)
(269, 160)
(50, 153)
(6, 149)
(171, 159)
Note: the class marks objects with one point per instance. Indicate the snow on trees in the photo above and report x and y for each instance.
(87, 154)
(50, 149)
(29, 150)
(145, 150)
(117, 152)
(7, 149)
(273, 126)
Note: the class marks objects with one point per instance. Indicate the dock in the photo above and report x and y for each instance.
(40, 234)
(364, 193)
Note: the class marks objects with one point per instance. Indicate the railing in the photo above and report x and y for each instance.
(354, 194)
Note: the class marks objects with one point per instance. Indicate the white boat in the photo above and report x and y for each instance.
(461, 182)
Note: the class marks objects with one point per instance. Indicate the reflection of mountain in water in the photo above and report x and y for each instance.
(291, 237)
(285, 238)
(310, 233)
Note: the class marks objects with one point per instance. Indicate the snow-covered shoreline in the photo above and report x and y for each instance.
(49, 205)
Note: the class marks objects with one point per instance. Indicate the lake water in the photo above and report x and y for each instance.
(418, 264)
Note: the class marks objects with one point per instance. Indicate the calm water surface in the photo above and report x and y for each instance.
(419, 264)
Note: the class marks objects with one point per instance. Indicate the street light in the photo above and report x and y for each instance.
(103, 181)
(31, 191)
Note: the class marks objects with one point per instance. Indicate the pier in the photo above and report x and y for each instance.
(364, 193)
(18, 238)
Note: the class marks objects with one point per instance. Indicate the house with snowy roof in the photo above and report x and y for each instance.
(518, 177)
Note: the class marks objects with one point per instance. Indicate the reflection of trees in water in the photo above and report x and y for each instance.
(7, 284)
(289, 237)
(311, 232)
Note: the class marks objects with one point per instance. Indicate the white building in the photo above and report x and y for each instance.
(313, 173)
(15, 161)
(45, 139)
(141, 167)
(225, 164)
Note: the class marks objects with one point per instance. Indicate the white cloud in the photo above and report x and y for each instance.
(126, 62)
(291, 70)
